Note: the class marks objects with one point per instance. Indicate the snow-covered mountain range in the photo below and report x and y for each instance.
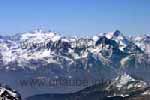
(52, 48)
(49, 55)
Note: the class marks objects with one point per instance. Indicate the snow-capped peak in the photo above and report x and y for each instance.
(95, 38)
(39, 35)
(123, 80)
(111, 35)
(49, 46)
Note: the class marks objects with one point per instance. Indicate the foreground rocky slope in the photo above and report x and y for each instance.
(6, 93)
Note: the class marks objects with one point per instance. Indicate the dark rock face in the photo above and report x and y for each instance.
(6, 93)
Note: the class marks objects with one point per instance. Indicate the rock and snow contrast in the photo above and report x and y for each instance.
(48, 55)
(50, 47)
(6, 93)
(124, 87)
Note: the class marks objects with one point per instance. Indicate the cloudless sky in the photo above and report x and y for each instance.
(75, 17)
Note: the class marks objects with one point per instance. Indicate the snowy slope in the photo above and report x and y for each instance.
(37, 54)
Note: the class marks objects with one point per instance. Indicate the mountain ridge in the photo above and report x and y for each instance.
(105, 56)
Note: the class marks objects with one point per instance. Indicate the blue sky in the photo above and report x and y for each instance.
(75, 17)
